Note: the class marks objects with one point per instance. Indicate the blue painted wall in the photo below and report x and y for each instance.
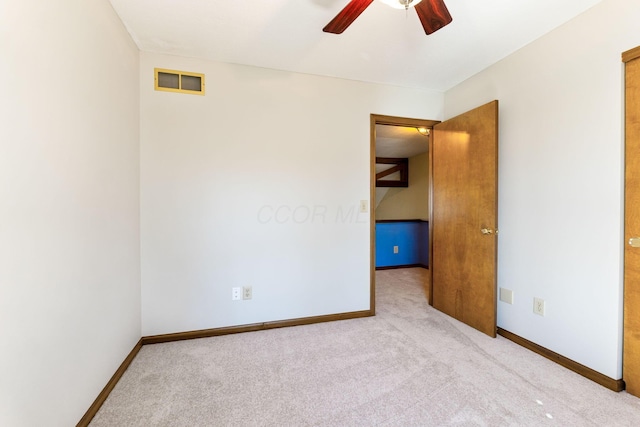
(412, 239)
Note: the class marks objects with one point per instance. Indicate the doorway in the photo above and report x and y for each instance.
(396, 129)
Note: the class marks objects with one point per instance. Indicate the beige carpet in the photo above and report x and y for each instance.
(408, 366)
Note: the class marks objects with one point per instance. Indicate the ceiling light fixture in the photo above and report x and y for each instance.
(401, 4)
(423, 131)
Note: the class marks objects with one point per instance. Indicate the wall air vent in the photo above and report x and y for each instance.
(179, 81)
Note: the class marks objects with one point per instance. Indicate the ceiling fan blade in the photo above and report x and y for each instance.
(433, 15)
(346, 16)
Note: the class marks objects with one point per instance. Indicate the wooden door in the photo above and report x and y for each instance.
(464, 217)
(631, 355)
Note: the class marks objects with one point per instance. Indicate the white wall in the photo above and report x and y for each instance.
(257, 183)
(410, 202)
(561, 190)
(69, 207)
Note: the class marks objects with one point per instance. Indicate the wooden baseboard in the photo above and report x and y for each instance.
(207, 333)
(95, 406)
(394, 267)
(603, 380)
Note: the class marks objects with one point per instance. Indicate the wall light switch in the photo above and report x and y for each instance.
(395, 250)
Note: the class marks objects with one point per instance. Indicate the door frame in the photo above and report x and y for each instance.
(630, 359)
(378, 119)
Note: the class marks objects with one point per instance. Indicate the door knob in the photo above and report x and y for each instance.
(634, 242)
(486, 231)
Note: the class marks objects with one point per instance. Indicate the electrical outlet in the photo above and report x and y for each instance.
(395, 250)
(236, 294)
(364, 206)
(538, 306)
(247, 292)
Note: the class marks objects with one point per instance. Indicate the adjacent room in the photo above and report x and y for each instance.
(173, 170)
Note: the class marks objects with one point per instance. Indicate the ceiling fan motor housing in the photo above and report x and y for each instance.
(406, 3)
(433, 14)
(401, 4)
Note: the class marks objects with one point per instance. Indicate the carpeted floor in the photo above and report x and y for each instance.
(408, 366)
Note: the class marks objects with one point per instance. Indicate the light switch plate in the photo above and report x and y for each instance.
(506, 295)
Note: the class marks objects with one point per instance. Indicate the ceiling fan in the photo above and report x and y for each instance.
(433, 14)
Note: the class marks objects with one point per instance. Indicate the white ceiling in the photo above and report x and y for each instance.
(383, 45)
(399, 142)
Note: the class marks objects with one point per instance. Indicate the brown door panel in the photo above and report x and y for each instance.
(465, 200)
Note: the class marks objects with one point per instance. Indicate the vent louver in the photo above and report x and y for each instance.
(179, 81)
